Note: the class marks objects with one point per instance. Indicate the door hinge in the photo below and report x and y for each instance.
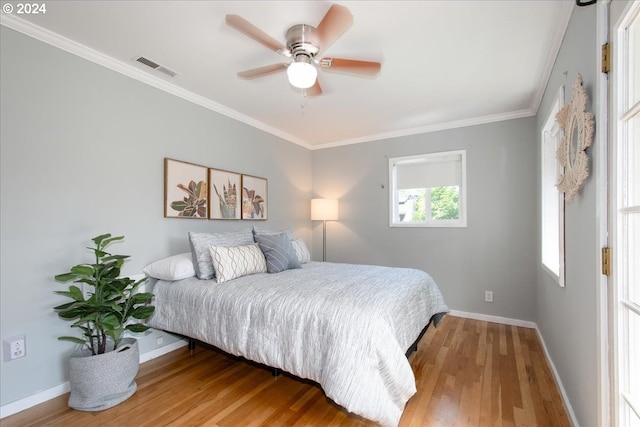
(606, 261)
(606, 58)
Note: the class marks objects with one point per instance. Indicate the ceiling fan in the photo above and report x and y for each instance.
(304, 45)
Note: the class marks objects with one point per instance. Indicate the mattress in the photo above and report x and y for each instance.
(345, 326)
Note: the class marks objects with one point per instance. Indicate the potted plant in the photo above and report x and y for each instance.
(102, 374)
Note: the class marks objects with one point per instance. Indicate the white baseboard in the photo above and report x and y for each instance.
(494, 319)
(59, 390)
(162, 351)
(563, 392)
(33, 400)
(532, 325)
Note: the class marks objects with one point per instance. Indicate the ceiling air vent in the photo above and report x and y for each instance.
(167, 71)
(158, 67)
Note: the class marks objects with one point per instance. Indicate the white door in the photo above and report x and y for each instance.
(625, 209)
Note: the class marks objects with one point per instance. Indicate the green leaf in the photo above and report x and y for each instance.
(82, 270)
(116, 308)
(88, 280)
(109, 240)
(64, 306)
(65, 277)
(70, 314)
(97, 240)
(111, 321)
(74, 293)
(112, 257)
(89, 317)
(142, 297)
(143, 312)
(137, 327)
(73, 339)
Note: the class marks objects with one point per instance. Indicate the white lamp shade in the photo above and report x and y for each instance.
(302, 75)
(324, 209)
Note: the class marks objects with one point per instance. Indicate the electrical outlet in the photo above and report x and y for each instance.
(488, 296)
(14, 347)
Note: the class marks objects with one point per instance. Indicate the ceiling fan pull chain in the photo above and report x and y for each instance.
(303, 102)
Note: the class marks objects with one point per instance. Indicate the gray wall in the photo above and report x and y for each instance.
(567, 316)
(72, 132)
(82, 151)
(496, 251)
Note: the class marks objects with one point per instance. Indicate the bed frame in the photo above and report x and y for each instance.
(277, 371)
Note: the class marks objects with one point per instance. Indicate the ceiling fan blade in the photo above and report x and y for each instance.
(314, 90)
(262, 71)
(368, 68)
(254, 32)
(336, 21)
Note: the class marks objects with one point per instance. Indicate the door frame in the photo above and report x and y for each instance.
(617, 63)
(600, 158)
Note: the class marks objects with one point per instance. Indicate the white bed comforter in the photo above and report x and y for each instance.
(344, 326)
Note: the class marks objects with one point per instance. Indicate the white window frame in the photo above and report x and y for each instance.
(393, 191)
(551, 233)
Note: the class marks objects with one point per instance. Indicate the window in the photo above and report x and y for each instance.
(552, 203)
(428, 190)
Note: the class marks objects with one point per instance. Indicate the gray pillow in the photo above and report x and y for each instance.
(278, 251)
(200, 243)
(266, 231)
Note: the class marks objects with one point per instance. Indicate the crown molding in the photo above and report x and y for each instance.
(430, 128)
(129, 70)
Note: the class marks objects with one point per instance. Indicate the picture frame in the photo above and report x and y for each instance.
(185, 190)
(225, 191)
(254, 197)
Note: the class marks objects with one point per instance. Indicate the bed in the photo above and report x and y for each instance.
(346, 327)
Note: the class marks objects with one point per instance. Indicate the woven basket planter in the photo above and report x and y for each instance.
(104, 380)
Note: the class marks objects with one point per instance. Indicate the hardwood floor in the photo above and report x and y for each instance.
(468, 373)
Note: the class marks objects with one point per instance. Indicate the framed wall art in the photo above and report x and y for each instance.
(224, 189)
(254, 198)
(185, 190)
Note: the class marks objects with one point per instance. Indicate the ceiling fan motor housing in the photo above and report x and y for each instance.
(303, 42)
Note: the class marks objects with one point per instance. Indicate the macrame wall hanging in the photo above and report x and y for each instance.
(577, 126)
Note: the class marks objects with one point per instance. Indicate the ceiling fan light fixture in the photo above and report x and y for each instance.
(302, 74)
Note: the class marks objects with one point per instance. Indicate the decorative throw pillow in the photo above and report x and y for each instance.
(301, 251)
(176, 267)
(200, 243)
(267, 232)
(231, 262)
(278, 251)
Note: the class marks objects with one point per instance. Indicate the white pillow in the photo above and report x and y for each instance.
(176, 267)
(301, 251)
(230, 262)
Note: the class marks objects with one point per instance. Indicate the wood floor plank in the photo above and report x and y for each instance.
(469, 373)
(523, 377)
(487, 412)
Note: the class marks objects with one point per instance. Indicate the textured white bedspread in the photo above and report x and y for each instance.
(344, 326)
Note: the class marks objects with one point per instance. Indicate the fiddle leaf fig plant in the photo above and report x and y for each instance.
(110, 307)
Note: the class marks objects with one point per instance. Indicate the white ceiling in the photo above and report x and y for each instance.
(445, 64)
